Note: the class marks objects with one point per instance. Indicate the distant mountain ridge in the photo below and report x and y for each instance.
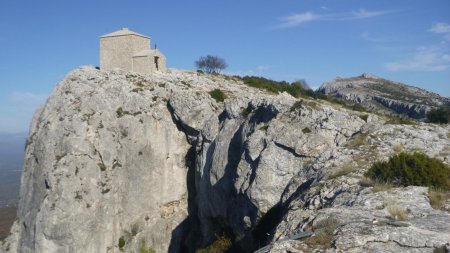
(384, 96)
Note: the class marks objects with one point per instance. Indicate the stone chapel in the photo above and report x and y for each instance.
(130, 51)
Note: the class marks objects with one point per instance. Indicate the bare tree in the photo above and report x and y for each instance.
(211, 64)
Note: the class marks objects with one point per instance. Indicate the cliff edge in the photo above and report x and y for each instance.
(120, 162)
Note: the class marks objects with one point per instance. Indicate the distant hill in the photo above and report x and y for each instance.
(384, 96)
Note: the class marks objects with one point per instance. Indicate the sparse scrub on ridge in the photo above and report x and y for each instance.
(406, 169)
(439, 115)
(296, 89)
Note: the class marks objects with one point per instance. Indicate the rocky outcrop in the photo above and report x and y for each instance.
(116, 161)
(384, 96)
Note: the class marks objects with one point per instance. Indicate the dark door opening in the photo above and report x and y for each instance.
(156, 62)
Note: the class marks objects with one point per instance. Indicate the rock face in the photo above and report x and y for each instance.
(116, 161)
(384, 96)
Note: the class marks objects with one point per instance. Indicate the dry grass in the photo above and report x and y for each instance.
(366, 182)
(380, 186)
(344, 170)
(357, 141)
(438, 198)
(377, 186)
(398, 147)
(323, 238)
(396, 212)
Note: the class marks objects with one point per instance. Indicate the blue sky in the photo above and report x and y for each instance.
(405, 40)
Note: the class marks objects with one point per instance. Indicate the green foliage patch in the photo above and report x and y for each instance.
(218, 95)
(440, 115)
(121, 243)
(412, 169)
(296, 89)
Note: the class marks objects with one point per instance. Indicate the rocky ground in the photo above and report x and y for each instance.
(383, 96)
(116, 161)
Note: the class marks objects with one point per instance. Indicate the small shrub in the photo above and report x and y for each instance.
(218, 95)
(121, 243)
(358, 107)
(440, 115)
(101, 166)
(396, 212)
(220, 245)
(306, 130)
(411, 169)
(119, 112)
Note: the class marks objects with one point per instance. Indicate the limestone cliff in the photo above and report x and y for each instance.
(117, 161)
(384, 96)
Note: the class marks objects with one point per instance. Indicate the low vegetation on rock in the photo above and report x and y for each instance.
(412, 169)
(440, 115)
(296, 89)
(323, 236)
(220, 245)
(218, 95)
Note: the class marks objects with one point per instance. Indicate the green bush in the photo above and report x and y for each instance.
(412, 169)
(218, 95)
(440, 115)
(296, 89)
(121, 243)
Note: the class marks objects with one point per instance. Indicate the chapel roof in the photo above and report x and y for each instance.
(123, 32)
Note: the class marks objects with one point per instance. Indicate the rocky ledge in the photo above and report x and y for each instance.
(119, 162)
(383, 96)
